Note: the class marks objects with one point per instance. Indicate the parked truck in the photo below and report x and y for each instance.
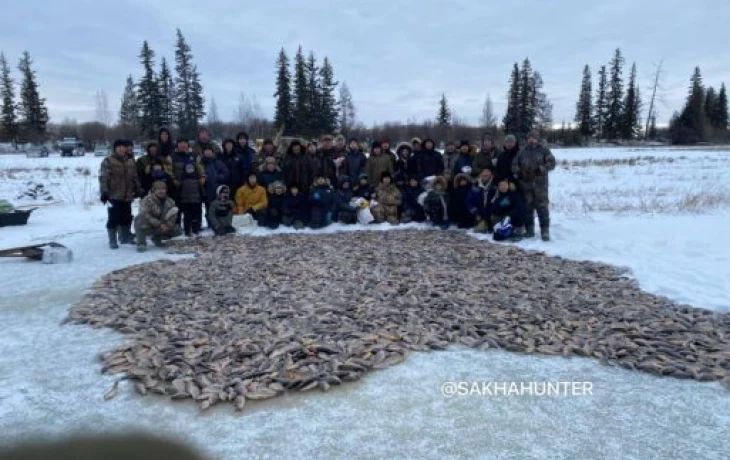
(71, 147)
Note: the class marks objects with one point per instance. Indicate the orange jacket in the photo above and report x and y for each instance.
(254, 198)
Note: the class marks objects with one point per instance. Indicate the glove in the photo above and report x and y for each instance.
(104, 198)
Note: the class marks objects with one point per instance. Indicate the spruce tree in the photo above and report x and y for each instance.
(301, 95)
(511, 120)
(601, 103)
(615, 110)
(128, 111)
(8, 121)
(631, 120)
(488, 119)
(528, 97)
(689, 127)
(347, 109)
(314, 99)
(328, 103)
(148, 95)
(32, 111)
(543, 108)
(166, 87)
(443, 117)
(710, 104)
(189, 103)
(584, 115)
(283, 112)
(720, 115)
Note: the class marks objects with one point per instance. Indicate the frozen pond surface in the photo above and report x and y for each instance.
(50, 381)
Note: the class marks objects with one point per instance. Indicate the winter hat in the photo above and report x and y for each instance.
(386, 174)
(275, 185)
(343, 180)
(404, 146)
(510, 138)
(534, 134)
(229, 141)
(159, 184)
(425, 141)
(385, 140)
(119, 143)
(150, 145)
(327, 137)
(415, 140)
(450, 143)
(242, 135)
(339, 138)
(463, 143)
(376, 145)
(221, 189)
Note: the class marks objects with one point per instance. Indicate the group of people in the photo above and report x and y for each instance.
(494, 190)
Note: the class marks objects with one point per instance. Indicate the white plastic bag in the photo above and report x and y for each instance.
(244, 221)
(364, 216)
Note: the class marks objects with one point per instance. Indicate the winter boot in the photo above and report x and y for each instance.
(530, 232)
(545, 234)
(112, 232)
(125, 235)
(157, 241)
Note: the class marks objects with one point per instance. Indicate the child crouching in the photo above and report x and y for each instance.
(296, 209)
(322, 199)
(275, 209)
(220, 212)
(436, 204)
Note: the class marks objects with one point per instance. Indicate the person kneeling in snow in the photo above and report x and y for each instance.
(388, 199)
(275, 209)
(435, 204)
(220, 212)
(296, 209)
(344, 211)
(251, 198)
(322, 199)
(481, 192)
(506, 206)
(459, 209)
(156, 218)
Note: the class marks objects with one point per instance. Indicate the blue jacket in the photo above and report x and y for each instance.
(478, 198)
(216, 174)
(355, 162)
(297, 207)
(462, 161)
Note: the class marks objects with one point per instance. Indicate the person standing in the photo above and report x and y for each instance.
(236, 170)
(165, 143)
(450, 156)
(355, 161)
(531, 167)
(216, 174)
(378, 163)
(203, 141)
(297, 168)
(486, 158)
(385, 146)
(145, 164)
(189, 180)
(119, 186)
(428, 161)
(463, 160)
(247, 155)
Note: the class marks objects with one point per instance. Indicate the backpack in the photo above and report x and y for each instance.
(503, 230)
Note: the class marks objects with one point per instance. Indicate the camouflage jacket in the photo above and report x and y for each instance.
(388, 195)
(118, 179)
(152, 212)
(532, 164)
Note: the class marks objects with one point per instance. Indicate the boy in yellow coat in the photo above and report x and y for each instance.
(251, 198)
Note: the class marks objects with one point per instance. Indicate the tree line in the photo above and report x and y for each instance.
(26, 119)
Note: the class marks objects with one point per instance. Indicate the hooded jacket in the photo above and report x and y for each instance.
(296, 208)
(165, 149)
(376, 166)
(216, 174)
(429, 162)
(405, 166)
(436, 203)
(478, 198)
(236, 166)
(344, 212)
(220, 212)
(297, 169)
(504, 164)
(248, 197)
(458, 208)
(463, 160)
(355, 162)
(485, 159)
(276, 204)
(247, 156)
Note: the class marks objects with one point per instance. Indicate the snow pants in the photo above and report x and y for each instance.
(536, 199)
(119, 214)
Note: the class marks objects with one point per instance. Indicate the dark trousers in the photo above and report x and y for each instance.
(207, 219)
(192, 216)
(536, 199)
(119, 214)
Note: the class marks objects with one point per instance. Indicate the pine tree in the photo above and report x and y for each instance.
(488, 119)
(189, 102)
(601, 103)
(584, 115)
(631, 119)
(720, 116)
(128, 111)
(8, 121)
(443, 118)
(615, 110)
(528, 97)
(32, 111)
(511, 120)
(301, 95)
(148, 95)
(347, 109)
(328, 102)
(710, 104)
(689, 127)
(542, 107)
(283, 113)
(314, 98)
(166, 87)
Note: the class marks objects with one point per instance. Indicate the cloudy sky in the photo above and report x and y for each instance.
(397, 57)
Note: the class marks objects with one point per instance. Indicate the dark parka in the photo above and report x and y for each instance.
(297, 169)
(429, 162)
(188, 176)
(216, 174)
(237, 172)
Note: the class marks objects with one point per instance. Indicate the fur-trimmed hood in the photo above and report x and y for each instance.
(441, 180)
(276, 184)
(462, 176)
(403, 145)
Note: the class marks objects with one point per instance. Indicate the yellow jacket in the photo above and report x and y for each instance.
(254, 198)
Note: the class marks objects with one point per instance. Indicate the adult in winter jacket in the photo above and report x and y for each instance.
(165, 143)
(322, 199)
(505, 159)
(449, 157)
(323, 162)
(297, 168)
(531, 167)
(204, 141)
(145, 163)
(220, 212)
(486, 158)
(355, 160)
(216, 174)
(436, 204)
(340, 147)
(463, 160)
(478, 198)
(389, 200)
(459, 209)
(378, 164)
(405, 166)
(270, 174)
(251, 198)
(246, 153)
(156, 217)
(275, 207)
(344, 212)
(118, 187)
(237, 171)
(362, 189)
(385, 147)
(506, 202)
(189, 180)
(268, 150)
(296, 209)
(428, 161)
(412, 209)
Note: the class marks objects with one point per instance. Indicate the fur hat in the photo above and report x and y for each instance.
(339, 138)
(376, 145)
(440, 180)
(463, 143)
(221, 189)
(276, 184)
(158, 184)
(403, 145)
(415, 140)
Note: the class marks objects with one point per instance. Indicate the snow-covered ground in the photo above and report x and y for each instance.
(664, 218)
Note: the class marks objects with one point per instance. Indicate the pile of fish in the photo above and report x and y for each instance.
(251, 318)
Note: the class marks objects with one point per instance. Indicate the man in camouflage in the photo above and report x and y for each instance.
(118, 186)
(531, 167)
(156, 218)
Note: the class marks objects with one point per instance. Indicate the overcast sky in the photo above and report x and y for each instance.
(397, 57)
